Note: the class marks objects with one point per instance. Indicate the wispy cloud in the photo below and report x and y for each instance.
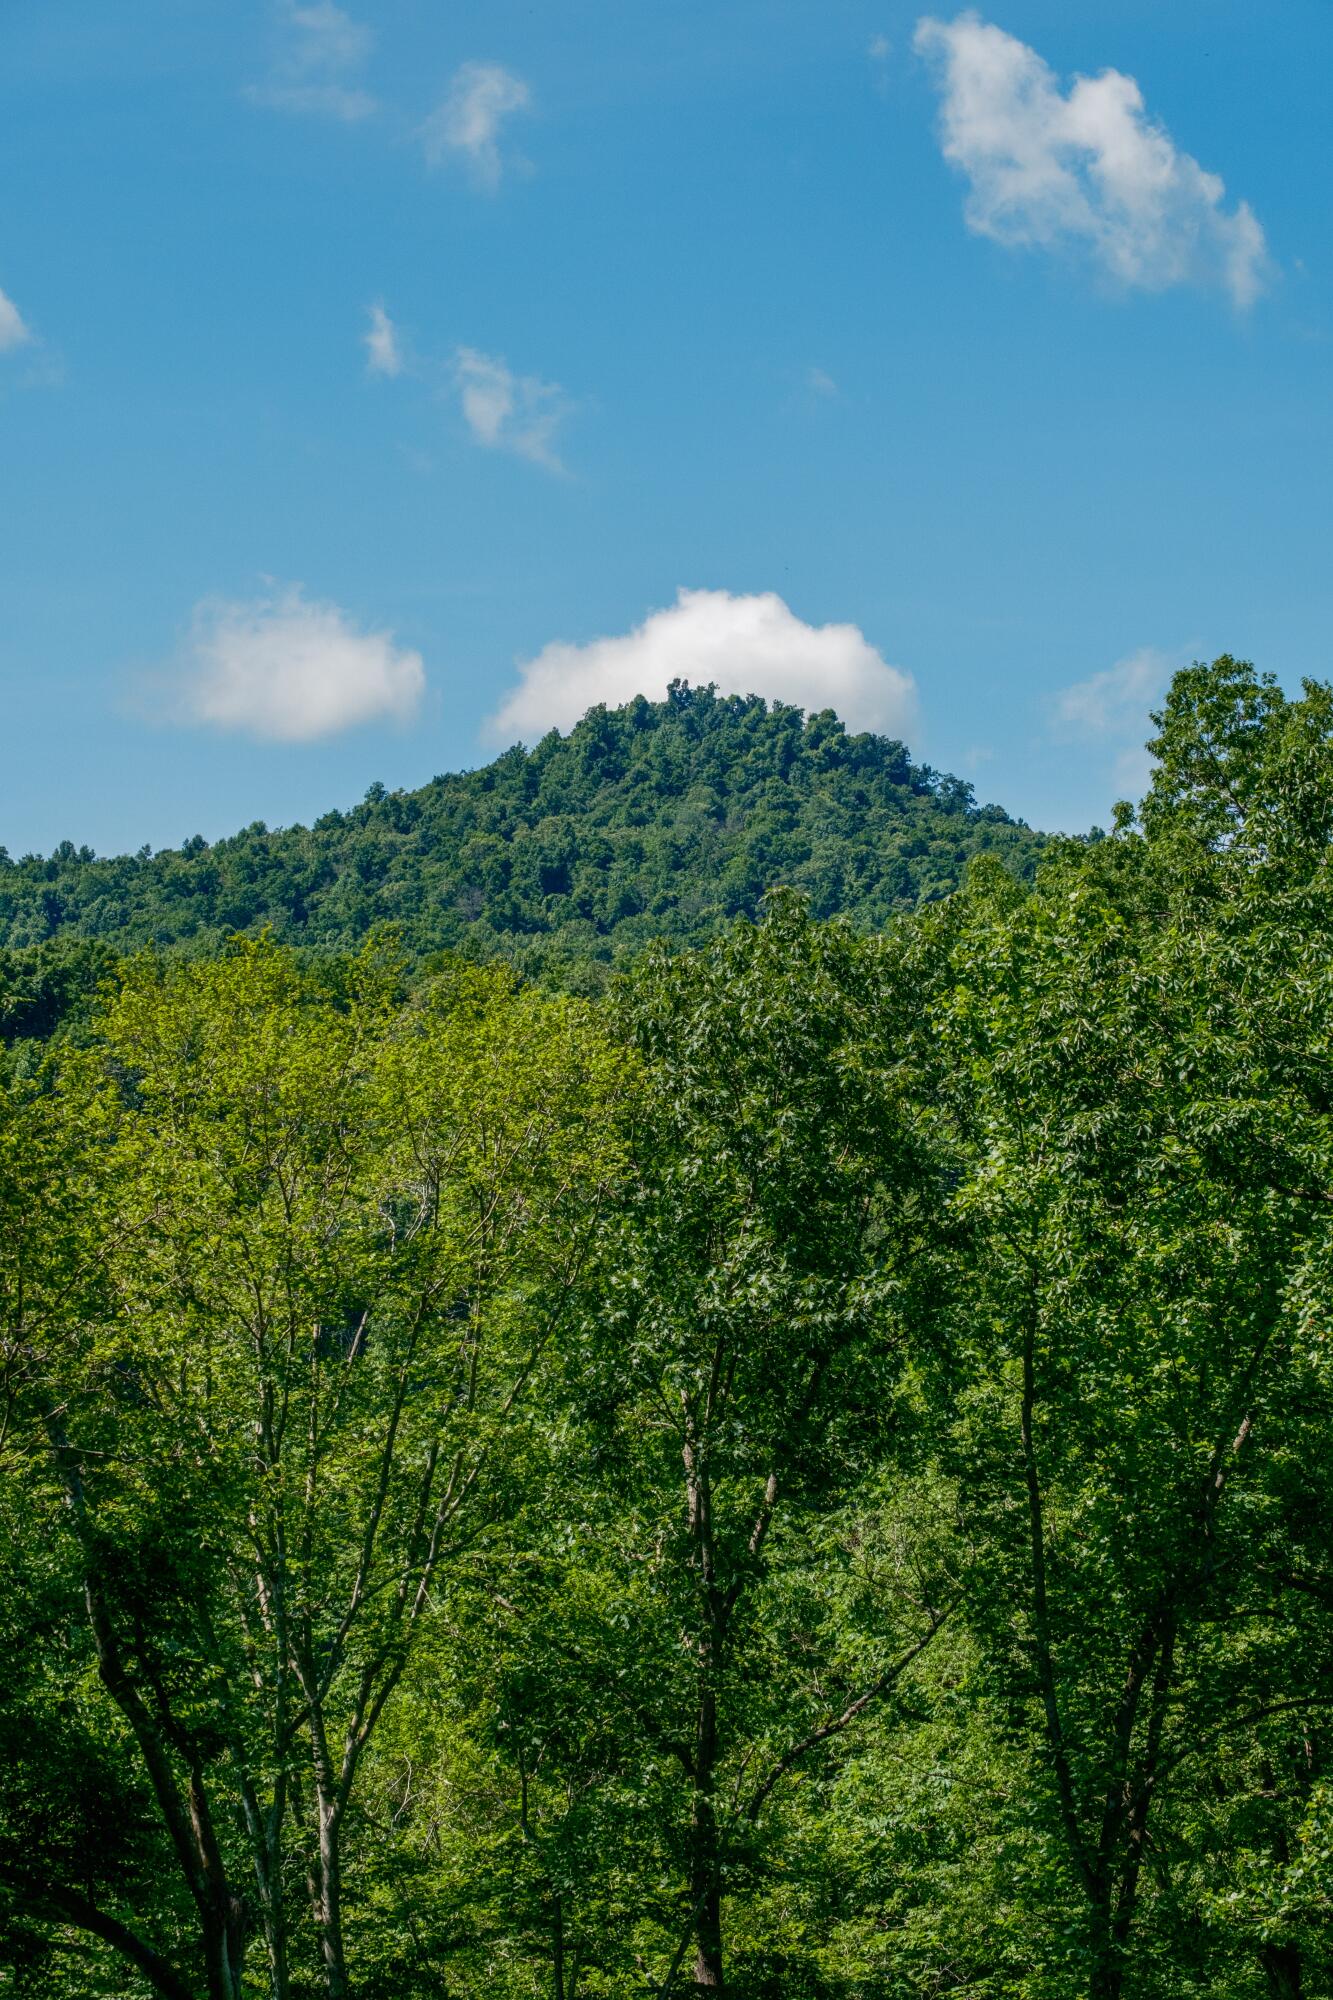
(1083, 167)
(316, 70)
(820, 383)
(288, 670)
(1112, 710)
(509, 412)
(384, 353)
(501, 410)
(467, 124)
(1120, 697)
(14, 329)
(743, 645)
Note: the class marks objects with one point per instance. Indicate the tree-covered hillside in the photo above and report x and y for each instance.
(802, 1478)
(656, 819)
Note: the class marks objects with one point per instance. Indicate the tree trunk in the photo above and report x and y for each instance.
(164, 1744)
(1282, 1963)
(705, 1855)
(327, 1888)
(1106, 1978)
(67, 1905)
(558, 1946)
(268, 1880)
(225, 1928)
(705, 1860)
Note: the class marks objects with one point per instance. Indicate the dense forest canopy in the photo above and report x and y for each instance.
(659, 819)
(804, 1475)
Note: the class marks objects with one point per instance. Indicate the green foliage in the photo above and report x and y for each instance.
(318, 1247)
(654, 820)
(1150, 1224)
(805, 1478)
(51, 988)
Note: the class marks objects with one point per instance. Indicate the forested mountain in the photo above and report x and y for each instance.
(656, 819)
(802, 1477)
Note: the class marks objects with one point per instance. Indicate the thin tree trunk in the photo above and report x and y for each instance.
(325, 1877)
(225, 1928)
(705, 1879)
(705, 1857)
(1044, 1648)
(1107, 1981)
(558, 1946)
(266, 1838)
(223, 1918)
(326, 1884)
(1282, 1964)
(705, 1860)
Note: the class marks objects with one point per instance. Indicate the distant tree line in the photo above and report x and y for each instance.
(655, 820)
(804, 1475)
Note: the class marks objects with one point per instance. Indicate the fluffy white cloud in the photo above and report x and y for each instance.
(13, 328)
(508, 412)
(384, 354)
(744, 645)
(323, 49)
(1087, 165)
(287, 670)
(467, 123)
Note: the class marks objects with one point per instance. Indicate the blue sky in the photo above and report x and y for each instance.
(373, 380)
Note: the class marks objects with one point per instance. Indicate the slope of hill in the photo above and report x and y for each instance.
(653, 819)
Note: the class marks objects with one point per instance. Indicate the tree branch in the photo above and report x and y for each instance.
(53, 1902)
(837, 1723)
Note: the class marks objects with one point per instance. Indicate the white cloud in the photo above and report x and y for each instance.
(1112, 710)
(287, 670)
(1050, 167)
(384, 354)
(508, 412)
(820, 382)
(14, 330)
(1116, 700)
(879, 48)
(323, 50)
(329, 39)
(467, 122)
(744, 645)
(502, 410)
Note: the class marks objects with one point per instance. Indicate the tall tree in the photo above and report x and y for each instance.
(338, 1238)
(1141, 1052)
(743, 1373)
